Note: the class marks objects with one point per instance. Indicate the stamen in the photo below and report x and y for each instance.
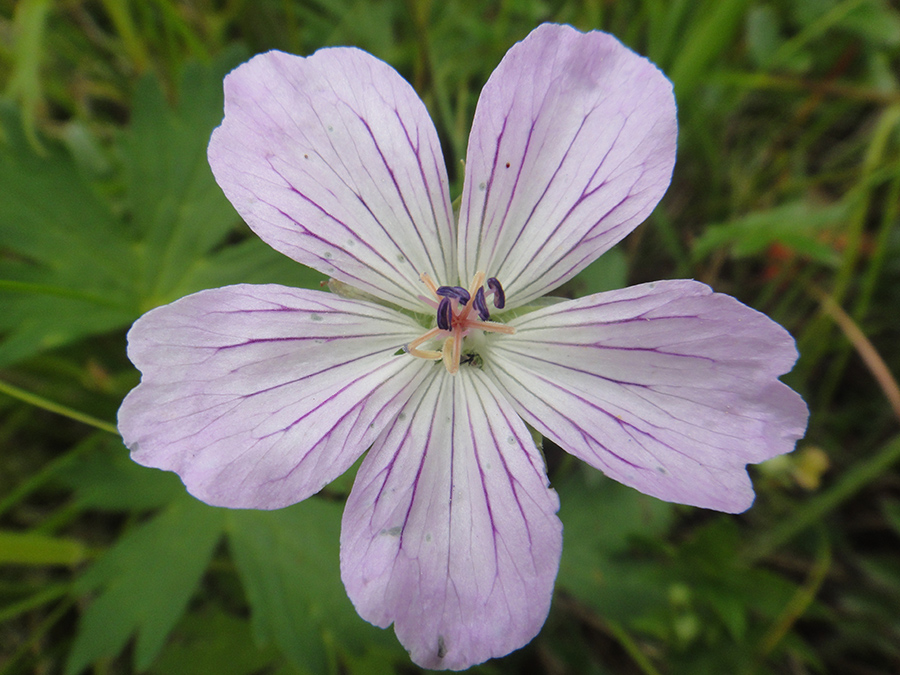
(429, 354)
(458, 293)
(428, 281)
(497, 291)
(480, 305)
(477, 282)
(492, 327)
(456, 318)
(450, 364)
(445, 314)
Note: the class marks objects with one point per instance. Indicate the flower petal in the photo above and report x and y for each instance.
(572, 146)
(666, 387)
(333, 160)
(450, 531)
(259, 396)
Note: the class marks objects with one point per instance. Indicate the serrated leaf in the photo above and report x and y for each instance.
(288, 562)
(71, 265)
(67, 268)
(145, 582)
(177, 210)
(107, 479)
(710, 564)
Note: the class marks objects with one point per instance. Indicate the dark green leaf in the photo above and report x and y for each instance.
(288, 561)
(107, 479)
(601, 520)
(212, 643)
(145, 582)
(70, 267)
(176, 208)
(66, 270)
(252, 262)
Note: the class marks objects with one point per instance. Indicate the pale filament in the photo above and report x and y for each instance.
(460, 326)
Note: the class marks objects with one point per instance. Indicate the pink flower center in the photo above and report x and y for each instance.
(459, 312)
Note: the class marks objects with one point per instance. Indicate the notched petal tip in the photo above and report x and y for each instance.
(450, 531)
(572, 146)
(333, 160)
(666, 387)
(258, 396)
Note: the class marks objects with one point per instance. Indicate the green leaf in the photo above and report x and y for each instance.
(762, 33)
(289, 564)
(145, 581)
(712, 566)
(65, 266)
(802, 227)
(876, 22)
(705, 43)
(891, 510)
(108, 480)
(252, 262)
(30, 548)
(24, 83)
(72, 265)
(210, 643)
(602, 519)
(177, 210)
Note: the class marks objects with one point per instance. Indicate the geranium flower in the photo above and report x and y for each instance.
(259, 396)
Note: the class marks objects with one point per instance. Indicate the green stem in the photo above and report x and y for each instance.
(814, 30)
(881, 136)
(630, 646)
(800, 602)
(818, 507)
(48, 471)
(33, 602)
(36, 635)
(59, 409)
(816, 339)
(881, 247)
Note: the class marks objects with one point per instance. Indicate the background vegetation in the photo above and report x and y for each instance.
(786, 194)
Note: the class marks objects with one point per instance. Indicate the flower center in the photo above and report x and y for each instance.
(459, 312)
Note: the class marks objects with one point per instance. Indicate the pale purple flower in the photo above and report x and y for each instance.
(259, 396)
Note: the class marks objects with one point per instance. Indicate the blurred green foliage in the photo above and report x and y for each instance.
(786, 194)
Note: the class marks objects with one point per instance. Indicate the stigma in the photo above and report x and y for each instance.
(459, 312)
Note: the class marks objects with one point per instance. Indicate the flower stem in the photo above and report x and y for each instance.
(863, 346)
(59, 409)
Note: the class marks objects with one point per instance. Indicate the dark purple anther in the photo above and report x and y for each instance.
(456, 292)
(445, 314)
(497, 290)
(480, 305)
